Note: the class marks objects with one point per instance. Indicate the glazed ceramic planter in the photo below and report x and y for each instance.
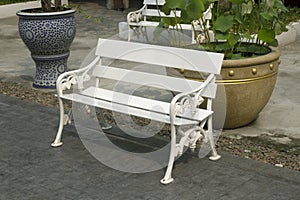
(48, 36)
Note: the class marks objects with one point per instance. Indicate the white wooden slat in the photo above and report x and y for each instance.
(140, 102)
(154, 2)
(129, 100)
(153, 80)
(181, 58)
(154, 23)
(186, 26)
(125, 109)
(157, 13)
(144, 23)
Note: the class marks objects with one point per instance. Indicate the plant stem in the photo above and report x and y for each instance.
(46, 5)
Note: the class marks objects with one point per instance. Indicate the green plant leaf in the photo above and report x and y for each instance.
(173, 4)
(221, 36)
(158, 30)
(233, 39)
(274, 43)
(266, 16)
(185, 17)
(165, 9)
(258, 49)
(255, 48)
(237, 1)
(239, 18)
(221, 47)
(195, 9)
(278, 4)
(248, 36)
(266, 35)
(247, 8)
(169, 22)
(224, 23)
(236, 56)
(278, 29)
(242, 49)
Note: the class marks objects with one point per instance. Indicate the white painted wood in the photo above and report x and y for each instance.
(160, 81)
(154, 2)
(126, 109)
(181, 58)
(144, 23)
(138, 18)
(158, 13)
(141, 103)
(183, 109)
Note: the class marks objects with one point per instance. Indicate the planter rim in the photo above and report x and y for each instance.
(25, 13)
(273, 55)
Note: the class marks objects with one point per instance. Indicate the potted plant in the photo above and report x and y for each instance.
(48, 32)
(244, 30)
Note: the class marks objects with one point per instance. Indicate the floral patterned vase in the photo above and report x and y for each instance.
(48, 36)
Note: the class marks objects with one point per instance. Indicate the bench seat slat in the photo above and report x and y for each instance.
(153, 80)
(144, 23)
(154, 24)
(154, 2)
(157, 13)
(125, 109)
(140, 102)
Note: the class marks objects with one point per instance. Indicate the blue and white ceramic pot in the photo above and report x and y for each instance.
(48, 36)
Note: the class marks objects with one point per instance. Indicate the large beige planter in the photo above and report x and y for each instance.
(248, 84)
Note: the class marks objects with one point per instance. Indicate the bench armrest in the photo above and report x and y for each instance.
(67, 79)
(135, 16)
(189, 100)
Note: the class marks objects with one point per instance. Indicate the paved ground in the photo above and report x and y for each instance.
(31, 169)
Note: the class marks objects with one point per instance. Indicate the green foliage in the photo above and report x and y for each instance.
(234, 22)
(224, 23)
(292, 16)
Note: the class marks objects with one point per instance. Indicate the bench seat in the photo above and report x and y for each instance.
(135, 105)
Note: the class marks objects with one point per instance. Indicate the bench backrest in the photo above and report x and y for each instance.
(154, 2)
(151, 9)
(154, 12)
(160, 56)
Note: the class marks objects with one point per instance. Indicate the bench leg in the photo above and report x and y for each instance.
(168, 175)
(105, 125)
(214, 154)
(129, 35)
(57, 142)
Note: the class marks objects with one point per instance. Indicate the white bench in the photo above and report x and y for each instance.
(142, 18)
(182, 110)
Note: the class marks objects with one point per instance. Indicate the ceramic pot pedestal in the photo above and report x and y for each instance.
(48, 36)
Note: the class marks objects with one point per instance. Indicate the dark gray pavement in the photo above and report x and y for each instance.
(31, 169)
